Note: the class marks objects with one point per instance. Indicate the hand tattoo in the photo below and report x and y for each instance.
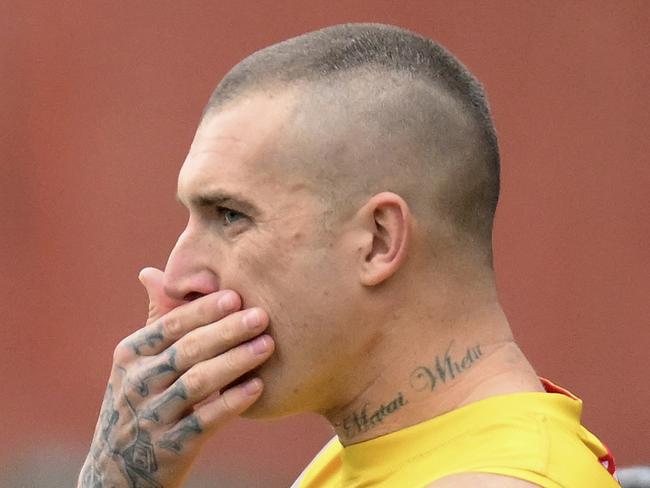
(140, 458)
(169, 367)
(149, 340)
(173, 441)
(177, 391)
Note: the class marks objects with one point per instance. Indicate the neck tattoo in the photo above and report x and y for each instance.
(363, 420)
(444, 369)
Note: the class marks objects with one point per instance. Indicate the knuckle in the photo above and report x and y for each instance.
(122, 352)
(229, 332)
(193, 382)
(229, 406)
(190, 348)
(132, 382)
(172, 326)
(231, 362)
(206, 310)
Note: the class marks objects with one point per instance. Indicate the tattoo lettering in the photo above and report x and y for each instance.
(177, 391)
(363, 420)
(446, 368)
(170, 366)
(173, 441)
(149, 340)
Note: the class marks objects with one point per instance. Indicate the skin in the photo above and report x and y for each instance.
(343, 297)
(472, 480)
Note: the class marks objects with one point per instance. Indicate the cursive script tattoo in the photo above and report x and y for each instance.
(445, 368)
(365, 419)
(173, 441)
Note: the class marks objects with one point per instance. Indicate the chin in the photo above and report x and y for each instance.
(268, 408)
(276, 399)
(260, 410)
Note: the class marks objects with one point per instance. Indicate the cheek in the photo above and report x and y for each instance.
(309, 300)
(259, 268)
(301, 284)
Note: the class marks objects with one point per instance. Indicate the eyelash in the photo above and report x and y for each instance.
(222, 211)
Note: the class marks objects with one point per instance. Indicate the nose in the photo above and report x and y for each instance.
(190, 272)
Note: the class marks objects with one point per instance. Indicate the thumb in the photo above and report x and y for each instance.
(159, 302)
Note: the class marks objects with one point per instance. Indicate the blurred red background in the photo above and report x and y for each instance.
(98, 104)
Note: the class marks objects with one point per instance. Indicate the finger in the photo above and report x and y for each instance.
(159, 335)
(159, 302)
(216, 338)
(206, 378)
(194, 428)
(206, 342)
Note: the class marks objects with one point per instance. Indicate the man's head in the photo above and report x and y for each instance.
(332, 175)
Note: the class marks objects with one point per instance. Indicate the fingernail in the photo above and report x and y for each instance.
(253, 386)
(227, 301)
(260, 345)
(252, 319)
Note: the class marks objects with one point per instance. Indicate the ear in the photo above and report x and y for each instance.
(386, 220)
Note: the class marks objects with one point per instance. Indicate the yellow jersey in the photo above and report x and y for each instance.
(535, 437)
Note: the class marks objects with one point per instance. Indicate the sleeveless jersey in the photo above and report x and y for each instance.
(534, 436)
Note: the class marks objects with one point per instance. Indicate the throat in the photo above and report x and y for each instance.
(432, 383)
(361, 421)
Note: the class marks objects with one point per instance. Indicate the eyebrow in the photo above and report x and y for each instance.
(220, 198)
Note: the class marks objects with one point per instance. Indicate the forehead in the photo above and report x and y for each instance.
(237, 148)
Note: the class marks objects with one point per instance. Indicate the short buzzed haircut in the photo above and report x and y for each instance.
(430, 116)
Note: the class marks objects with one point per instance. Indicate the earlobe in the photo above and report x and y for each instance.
(388, 218)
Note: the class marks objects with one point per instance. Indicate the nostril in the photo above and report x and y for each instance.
(193, 296)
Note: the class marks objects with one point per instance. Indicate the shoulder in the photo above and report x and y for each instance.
(484, 480)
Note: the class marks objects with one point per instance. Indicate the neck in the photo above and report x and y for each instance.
(411, 378)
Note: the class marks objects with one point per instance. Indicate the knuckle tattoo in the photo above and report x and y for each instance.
(133, 383)
(173, 440)
(151, 414)
(145, 339)
(140, 381)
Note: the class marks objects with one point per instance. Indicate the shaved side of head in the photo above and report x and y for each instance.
(380, 108)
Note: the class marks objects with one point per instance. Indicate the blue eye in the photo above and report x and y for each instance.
(229, 216)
